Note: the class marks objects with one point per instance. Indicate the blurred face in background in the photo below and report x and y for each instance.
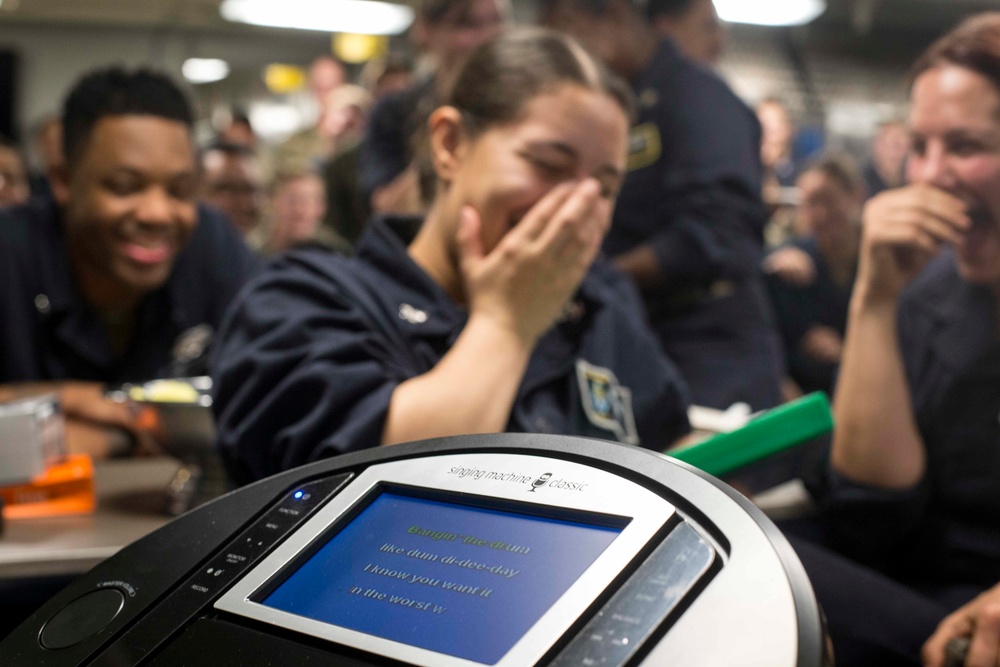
(346, 113)
(298, 206)
(325, 76)
(776, 134)
(48, 143)
(463, 27)
(14, 188)
(233, 183)
(698, 32)
(128, 203)
(828, 210)
(955, 146)
(889, 149)
(239, 133)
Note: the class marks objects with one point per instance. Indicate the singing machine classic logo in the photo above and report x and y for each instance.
(540, 481)
(518, 478)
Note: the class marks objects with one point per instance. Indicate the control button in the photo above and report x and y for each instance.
(311, 494)
(82, 618)
(643, 603)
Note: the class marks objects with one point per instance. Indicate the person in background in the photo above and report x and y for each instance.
(315, 144)
(238, 130)
(325, 75)
(122, 277)
(777, 143)
(46, 153)
(689, 221)
(886, 167)
(347, 116)
(390, 73)
(232, 181)
(445, 32)
(14, 184)
(780, 172)
(693, 25)
(493, 318)
(297, 204)
(810, 278)
(347, 209)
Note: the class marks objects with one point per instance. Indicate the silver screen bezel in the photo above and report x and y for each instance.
(595, 492)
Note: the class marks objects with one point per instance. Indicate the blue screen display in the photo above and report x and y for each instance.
(459, 580)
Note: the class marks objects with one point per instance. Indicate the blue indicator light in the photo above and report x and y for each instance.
(297, 495)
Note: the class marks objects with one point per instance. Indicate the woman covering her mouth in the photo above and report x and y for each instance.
(493, 317)
(913, 487)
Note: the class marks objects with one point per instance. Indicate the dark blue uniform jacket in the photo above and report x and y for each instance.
(387, 147)
(310, 357)
(945, 531)
(693, 194)
(48, 332)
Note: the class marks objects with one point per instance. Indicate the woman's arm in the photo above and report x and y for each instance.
(876, 441)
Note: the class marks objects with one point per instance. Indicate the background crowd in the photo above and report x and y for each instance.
(581, 229)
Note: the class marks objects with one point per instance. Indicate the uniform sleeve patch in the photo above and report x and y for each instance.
(607, 404)
(644, 146)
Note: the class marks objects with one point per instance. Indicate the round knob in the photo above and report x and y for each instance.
(82, 618)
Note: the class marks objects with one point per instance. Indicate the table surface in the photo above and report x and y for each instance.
(130, 502)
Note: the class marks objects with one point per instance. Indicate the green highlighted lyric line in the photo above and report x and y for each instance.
(441, 536)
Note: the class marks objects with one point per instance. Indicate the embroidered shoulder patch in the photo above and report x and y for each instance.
(643, 146)
(192, 343)
(607, 404)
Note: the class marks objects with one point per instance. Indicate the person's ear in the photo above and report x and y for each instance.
(447, 141)
(59, 178)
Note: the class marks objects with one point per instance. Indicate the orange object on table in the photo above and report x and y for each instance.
(64, 488)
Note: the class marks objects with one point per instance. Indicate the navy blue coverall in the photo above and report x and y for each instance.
(315, 347)
(693, 194)
(48, 332)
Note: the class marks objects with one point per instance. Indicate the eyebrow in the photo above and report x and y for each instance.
(568, 151)
(137, 172)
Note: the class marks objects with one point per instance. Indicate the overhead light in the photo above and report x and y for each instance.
(283, 79)
(272, 120)
(770, 12)
(205, 70)
(357, 49)
(354, 16)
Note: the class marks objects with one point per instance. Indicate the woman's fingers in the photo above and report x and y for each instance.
(538, 219)
(931, 210)
(574, 225)
(984, 651)
(527, 278)
(955, 625)
(470, 240)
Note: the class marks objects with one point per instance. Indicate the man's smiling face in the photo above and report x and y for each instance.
(128, 203)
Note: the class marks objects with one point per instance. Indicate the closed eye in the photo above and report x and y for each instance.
(550, 168)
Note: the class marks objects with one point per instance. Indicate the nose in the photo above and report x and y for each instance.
(932, 167)
(155, 207)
